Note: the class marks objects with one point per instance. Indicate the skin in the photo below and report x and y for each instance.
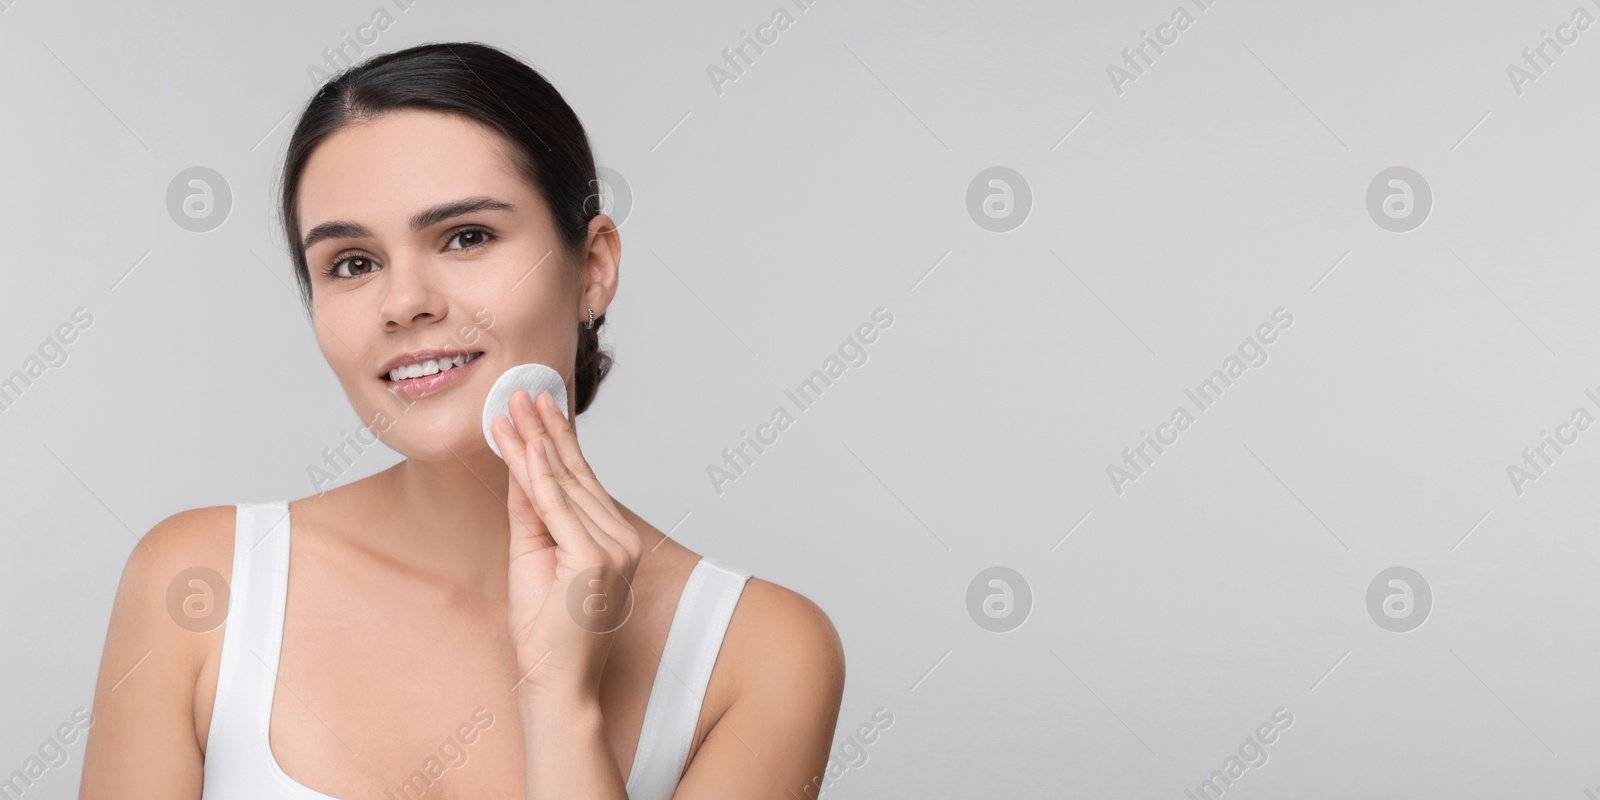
(421, 595)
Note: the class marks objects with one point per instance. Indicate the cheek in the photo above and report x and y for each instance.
(549, 338)
(339, 342)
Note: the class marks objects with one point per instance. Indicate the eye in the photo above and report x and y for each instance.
(351, 266)
(356, 265)
(479, 238)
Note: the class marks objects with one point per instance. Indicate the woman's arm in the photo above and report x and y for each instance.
(567, 534)
(567, 753)
(788, 671)
(142, 742)
(784, 662)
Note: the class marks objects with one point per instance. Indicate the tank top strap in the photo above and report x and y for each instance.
(238, 753)
(673, 710)
(246, 674)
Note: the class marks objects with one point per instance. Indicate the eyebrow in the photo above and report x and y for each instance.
(423, 219)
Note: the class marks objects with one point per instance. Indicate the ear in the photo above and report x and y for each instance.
(602, 256)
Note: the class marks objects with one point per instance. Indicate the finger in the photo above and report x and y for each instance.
(560, 430)
(609, 528)
(513, 450)
(533, 428)
(517, 502)
(529, 421)
(621, 557)
(555, 508)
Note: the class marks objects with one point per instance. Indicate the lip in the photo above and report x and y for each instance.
(413, 388)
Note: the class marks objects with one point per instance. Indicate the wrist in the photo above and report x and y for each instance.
(543, 706)
(555, 681)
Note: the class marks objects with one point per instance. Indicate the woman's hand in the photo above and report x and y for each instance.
(573, 555)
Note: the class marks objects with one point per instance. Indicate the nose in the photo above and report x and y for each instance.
(410, 297)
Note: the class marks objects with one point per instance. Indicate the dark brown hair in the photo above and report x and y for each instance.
(547, 145)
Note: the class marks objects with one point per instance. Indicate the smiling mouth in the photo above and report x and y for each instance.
(424, 369)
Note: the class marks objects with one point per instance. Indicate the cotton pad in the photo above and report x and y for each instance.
(535, 378)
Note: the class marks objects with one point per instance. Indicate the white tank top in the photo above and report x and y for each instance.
(239, 764)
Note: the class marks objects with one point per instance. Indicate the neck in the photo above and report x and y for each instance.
(448, 500)
(446, 518)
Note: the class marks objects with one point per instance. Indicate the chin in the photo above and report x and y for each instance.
(464, 448)
(440, 433)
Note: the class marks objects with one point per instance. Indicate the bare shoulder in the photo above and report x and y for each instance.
(780, 679)
(780, 642)
(188, 536)
(165, 628)
(173, 600)
(173, 590)
(198, 540)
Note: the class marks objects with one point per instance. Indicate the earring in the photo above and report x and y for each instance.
(590, 324)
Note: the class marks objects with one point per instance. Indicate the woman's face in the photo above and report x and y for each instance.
(428, 251)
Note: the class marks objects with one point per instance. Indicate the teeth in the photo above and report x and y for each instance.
(429, 367)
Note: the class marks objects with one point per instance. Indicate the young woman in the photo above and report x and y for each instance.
(461, 625)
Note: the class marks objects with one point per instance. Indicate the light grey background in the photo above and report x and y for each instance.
(830, 179)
